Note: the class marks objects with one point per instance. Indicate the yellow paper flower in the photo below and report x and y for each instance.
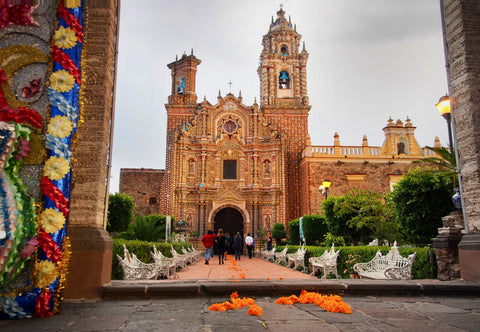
(46, 273)
(60, 126)
(50, 220)
(62, 81)
(65, 38)
(56, 168)
(72, 3)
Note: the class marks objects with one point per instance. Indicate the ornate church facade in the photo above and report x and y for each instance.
(244, 168)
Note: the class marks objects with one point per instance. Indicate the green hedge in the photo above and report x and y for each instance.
(350, 255)
(142, 250)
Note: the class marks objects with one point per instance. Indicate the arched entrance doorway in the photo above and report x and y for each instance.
(230, 220)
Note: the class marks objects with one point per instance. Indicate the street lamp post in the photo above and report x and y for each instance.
(443, 106)
(326, 184)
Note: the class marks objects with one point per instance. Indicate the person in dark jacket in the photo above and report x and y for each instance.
(237, 245)
(220, 242)
(269, 241)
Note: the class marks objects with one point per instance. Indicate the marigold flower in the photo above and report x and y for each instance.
(217, 307)
(50, 220)
(56, 168)
(65, 38)
(254, 310)
(46, 272)
(60, 126)
(62, 81)
(234, 295)
(284, 300)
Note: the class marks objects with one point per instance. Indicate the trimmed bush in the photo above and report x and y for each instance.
(142, 250)
(314, 229)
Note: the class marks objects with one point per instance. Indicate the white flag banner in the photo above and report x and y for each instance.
(168, 227)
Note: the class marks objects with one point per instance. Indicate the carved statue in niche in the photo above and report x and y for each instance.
(191, 166)
(266, 167)
(267, 223)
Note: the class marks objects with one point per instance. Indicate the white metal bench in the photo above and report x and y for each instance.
(168, 262)
(134, 269)
(297, 259)
(281, 256)
(326, 263)
(390, 266)
(270, 254)
(180, 260)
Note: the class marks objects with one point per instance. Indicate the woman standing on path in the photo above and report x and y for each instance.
(207, 240)
(220, 242)
(237, 245)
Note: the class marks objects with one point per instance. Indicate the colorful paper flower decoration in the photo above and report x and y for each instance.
(51, 220)
(65, 38)
(60, 126)
(72, 3)
(62, 81)
(56, 168)
(46, 273)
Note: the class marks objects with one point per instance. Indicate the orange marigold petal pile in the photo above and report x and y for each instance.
(236, 303)
(332, 303)
(255, 310)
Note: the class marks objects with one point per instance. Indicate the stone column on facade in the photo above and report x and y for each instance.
(91, 260)
(462, 40)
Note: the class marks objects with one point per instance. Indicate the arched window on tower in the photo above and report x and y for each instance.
(284, 50)
(284, 80)
(401, 148)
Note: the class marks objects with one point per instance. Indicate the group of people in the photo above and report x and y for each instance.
(223, 243)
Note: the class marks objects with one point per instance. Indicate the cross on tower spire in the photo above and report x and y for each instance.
(230, 83)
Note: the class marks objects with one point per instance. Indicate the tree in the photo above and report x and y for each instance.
(445, 163)
(121, 209)
(294, 236)
(421, 198)
(279, 232)
(314, 228)
(360, 216)
(146, 230)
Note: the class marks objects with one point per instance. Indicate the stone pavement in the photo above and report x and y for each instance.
(369, 313)
(182, 304)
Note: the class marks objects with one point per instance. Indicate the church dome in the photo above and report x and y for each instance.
(281, 23)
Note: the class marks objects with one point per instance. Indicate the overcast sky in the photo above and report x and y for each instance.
(369, 60)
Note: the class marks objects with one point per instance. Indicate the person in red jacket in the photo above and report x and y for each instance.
(207, 240)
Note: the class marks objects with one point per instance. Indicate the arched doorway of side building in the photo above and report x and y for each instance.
(230, 220)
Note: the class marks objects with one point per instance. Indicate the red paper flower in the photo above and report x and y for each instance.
(50, 247)
(56, 196)
(72, 21)
(42, 304)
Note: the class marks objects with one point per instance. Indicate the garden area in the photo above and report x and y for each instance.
(359, 224)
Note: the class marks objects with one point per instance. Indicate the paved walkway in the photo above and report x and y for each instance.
(245, 268)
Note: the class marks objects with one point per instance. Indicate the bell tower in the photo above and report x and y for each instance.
(283, 66)
(184, 73)
(181, 106)
(284, 100)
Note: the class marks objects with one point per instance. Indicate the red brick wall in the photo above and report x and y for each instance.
(376, 179)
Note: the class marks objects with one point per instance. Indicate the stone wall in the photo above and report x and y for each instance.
(463, 44)
(91, 260)
(462, 25)
(144, 185)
